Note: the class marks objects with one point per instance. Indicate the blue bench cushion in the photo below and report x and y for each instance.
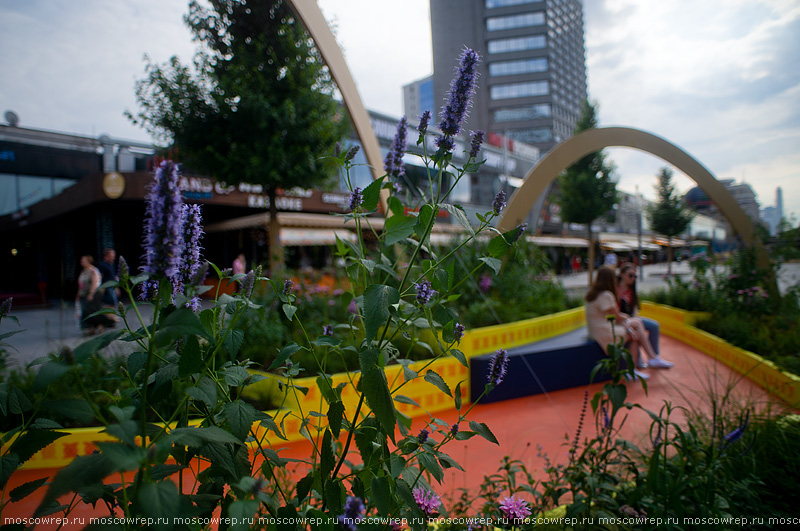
(557, 363)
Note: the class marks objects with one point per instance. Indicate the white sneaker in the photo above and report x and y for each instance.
(658, 363)
(642, 365)
(640, 374)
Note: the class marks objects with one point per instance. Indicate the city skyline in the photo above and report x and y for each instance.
(719, 79)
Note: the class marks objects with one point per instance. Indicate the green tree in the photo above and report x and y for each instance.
(587, 188)
(669, 215)
(256, 107)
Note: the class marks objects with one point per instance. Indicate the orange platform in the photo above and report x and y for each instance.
(522, 424)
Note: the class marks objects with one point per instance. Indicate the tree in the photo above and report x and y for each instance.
(588, 190)
(669, 215)
(257, 107)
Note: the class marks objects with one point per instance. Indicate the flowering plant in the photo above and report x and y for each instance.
(209, 456)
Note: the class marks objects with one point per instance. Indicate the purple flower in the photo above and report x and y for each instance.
(353, 509)
(248, 282)
(477, 140)
(497, 367)
(424, 292)
(123, 271)
(351, 153)
(356, 198)
(352, 307)
(393, 164)
(163, 241)
(736, 434)
(461, 90)
(520, 230)
(190, 262)
(424, 120)
(514, 508)
(606, 419)
(423, 436)
(499, 202)
(485, 283)
(454, 429)
(327, 330)
(458, 332)
(5, 307)
(288, 285)
(427, 500)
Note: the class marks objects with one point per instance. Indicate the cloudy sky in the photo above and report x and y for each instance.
(719, 78)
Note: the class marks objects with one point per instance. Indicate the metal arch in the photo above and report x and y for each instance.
(589, 141)
(311, 16)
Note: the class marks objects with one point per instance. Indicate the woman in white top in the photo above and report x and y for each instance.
(601, 301)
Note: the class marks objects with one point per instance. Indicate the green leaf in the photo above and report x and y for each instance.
(235, 376)
(462, 359)
(499, 246)
(26, 489)
(32, 441)
(17, 401)
(432, 377)
(289, 310)
(327, 459)
(460, 215)
(493, 263)
(372, 194)
(89, 348)
(398, 228)
(448, 462)
(483, 430)
(124, 431)
(136, 362)
(381, 494)
(430, 464)
(395, 206)
(205, 391)
(240, 415)
(74, 408)
(179, 324)
(241, 511)
(284, 355)
(8, 464)
(196, 437)
(379, 398)
(368, 358)
(84, 471)
(191, 360)
(426, 215)
(304, 486)
(49, 373)
(457, 396)
(159, 500)
(335, 415)
(233, 342)
(377, 300)
(403, 399)
(123, 457)
(617, 394)
(464, 435)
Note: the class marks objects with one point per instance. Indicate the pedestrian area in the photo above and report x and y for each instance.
(524, 425)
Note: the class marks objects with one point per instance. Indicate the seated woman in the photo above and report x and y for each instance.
(628, 301)
(601, 301)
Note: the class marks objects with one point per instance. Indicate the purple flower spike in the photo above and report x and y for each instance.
(522, 228)
(247, 284)
(454, 429)
(461, 90)
(428, 501)
(164, 243)
(497, 367)
(353, 509)
(327, 330)
(424, 120)
(5, 307)
(351, 153)
(356, 198)
(192, 234)
(514, 508)
(736, 434)
(458, 332)
(288, 285)
(393, 164)
(423, 436)
(477, 140)
(424, 292)
(499, 203)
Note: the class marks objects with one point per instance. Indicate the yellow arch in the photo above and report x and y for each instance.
(570, 151)
(311, 16)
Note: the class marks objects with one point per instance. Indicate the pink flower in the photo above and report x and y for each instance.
(514, 508)
(427, 500)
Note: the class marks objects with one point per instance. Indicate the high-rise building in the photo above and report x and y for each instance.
(532, 82)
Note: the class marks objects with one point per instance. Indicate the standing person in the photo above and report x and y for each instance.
(628, 301)
(576, 264)
(86, 301)
(601, 301)
(108, 273)
(239, 265)
(611, 259)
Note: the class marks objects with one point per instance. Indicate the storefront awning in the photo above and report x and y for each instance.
(296, 237)
(557, 241)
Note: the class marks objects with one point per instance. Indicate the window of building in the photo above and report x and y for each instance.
(524, 20)
(516, 44)
(532, 136)
(527, 112)
(524, 66)
(491, 4)
(519, 90)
